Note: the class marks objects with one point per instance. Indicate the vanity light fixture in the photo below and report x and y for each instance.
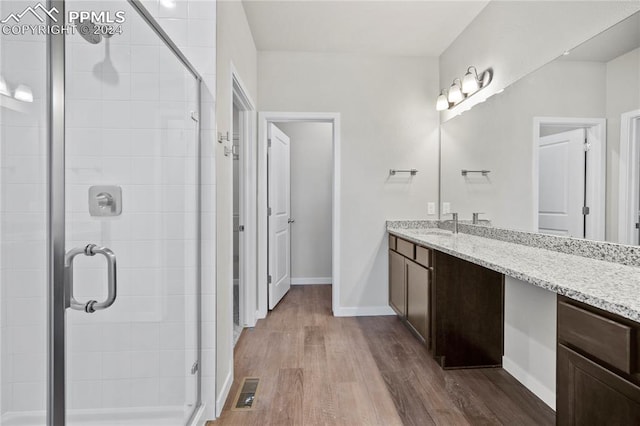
(23, 93)
(460, 90)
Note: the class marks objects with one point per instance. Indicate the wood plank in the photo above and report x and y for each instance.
(286, 407)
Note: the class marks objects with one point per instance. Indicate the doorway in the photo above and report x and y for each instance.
(569, 176)
(267, 119)
(300, 160)
(244, 209)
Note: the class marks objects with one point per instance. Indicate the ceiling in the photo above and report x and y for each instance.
(390, 27)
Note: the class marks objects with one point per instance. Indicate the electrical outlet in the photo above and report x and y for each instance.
(446, 208)
(431, 208)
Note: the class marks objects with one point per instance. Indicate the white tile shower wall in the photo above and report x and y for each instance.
(22, 225)
(199, 46)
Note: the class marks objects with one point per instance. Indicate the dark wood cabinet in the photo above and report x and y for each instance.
(397, 283)
(597, 367)
(418, 299)
(590, 394)
(467, 314)
(454, 306)
(409, 289)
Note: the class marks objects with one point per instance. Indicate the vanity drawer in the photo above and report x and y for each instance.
(406, 248)
(605, 339)
(392, 242)
(423, 256)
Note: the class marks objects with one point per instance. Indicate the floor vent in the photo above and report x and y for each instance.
(247, 394)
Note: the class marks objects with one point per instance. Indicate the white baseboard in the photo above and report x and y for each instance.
(547, 395)
(224, 394)
(363, 311)
(311, 280)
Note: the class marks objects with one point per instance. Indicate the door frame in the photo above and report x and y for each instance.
(248, 238)
(264, 119)
(629, 178)
(596, 129)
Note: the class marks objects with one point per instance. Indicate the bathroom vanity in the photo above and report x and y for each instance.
(452, 305)
(449, 290)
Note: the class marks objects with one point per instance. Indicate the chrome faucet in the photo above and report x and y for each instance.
(454, 219)
(475, 218)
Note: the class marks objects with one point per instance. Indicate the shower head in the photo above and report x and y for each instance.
(90, 32)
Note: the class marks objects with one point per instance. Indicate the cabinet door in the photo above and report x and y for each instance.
(589, 394)
(418, 299)
(397, 284)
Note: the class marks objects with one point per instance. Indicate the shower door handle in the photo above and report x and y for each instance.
(112, 280)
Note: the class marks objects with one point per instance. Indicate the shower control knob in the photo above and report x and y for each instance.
(105, 200)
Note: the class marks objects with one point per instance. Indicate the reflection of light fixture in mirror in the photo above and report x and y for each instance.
(442, 103)
(459, 91)
(23, 93)
(455, 92)
(169, 4)
(4, 90)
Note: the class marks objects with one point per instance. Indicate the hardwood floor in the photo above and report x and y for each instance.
(315, 369)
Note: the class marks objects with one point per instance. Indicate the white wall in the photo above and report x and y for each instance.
(517, 37)
(388, 121)
(622, 95)
(235, 49)
(311, 189)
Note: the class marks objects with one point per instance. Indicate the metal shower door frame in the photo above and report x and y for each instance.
(56, 309)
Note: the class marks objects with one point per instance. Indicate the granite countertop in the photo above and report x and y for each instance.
(606, 285)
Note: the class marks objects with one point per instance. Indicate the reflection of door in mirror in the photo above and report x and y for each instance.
(570, 170)
(561, 179)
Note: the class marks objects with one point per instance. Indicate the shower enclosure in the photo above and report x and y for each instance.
(99, 217)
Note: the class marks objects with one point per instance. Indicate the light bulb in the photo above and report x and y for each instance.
(470, 83)
(23, 93)
(4, 90)
(455, 92)
(442, 103)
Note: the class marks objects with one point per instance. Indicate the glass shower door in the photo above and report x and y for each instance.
(23, 223)
(131, 190)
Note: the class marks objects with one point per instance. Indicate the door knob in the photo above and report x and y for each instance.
(291, 220)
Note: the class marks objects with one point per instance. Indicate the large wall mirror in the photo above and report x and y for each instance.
(562, 145)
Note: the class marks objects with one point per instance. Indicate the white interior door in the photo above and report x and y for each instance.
(279, 172)
(562, 184)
